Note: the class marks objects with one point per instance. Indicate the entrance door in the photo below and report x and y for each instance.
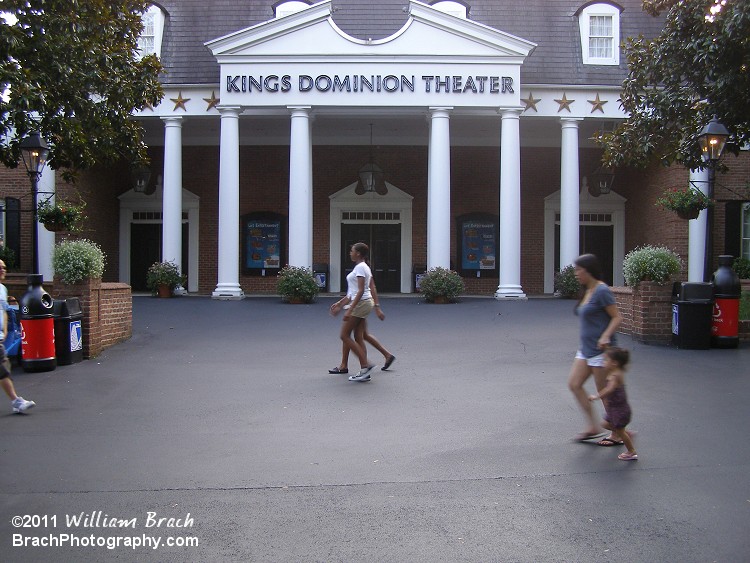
(593, 239)
(385, 253)
(145, 249)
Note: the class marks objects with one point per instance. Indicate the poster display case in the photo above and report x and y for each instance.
(477, 244)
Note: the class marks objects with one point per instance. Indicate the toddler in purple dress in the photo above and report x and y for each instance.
(615, 401)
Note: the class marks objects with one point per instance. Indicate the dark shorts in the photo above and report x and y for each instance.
(4, 363)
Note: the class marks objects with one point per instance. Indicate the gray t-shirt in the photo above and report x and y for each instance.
(595, 319)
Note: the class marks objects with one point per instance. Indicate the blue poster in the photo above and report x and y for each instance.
(479, 247)
(263, 244)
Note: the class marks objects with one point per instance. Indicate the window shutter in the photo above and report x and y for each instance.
(733, 228)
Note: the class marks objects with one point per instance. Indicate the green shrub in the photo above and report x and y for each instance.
(76, 260)
(163, 273)
(566, 283)
(742, 267)
(8, 256)
(440, 282)
(745, 306)
(296, 282)
(650, 263)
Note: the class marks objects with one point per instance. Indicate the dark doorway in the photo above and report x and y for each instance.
(385, 253)
(593, 239)
(145, 249)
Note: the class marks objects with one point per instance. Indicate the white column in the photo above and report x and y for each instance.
(569, 193)
(300, 189)
(171, 243)
(45, 238)
(439, 190)
(697, 230)
(510, 208)
(228, 285)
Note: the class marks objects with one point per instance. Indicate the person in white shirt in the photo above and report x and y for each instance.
(359, 304)
(19, 404)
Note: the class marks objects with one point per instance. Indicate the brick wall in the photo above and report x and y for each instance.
(646, 312)
(107, 312)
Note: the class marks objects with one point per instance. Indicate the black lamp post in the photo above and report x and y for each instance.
(34, 151)
(712, 140)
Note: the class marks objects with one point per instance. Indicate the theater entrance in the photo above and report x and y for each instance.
(384, 241)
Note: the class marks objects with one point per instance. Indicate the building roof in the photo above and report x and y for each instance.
(552, 25)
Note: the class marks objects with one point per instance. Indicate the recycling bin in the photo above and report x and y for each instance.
(68, 331)
(727, 294)
(320, 273)
(37, 327)
(692, 313)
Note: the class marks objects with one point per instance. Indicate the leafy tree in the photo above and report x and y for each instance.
(698, 67)
(70, 69)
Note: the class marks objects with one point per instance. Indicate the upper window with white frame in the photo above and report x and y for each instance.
(288, 8)
(456, 9)
(149, 41)
(599, 24)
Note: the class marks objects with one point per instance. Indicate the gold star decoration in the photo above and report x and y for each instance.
(564, 103)
(531, 102)
(597, 104)
(212, 101)
(179, 102)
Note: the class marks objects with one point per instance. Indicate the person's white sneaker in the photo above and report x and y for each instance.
(363, 375)
(22, 405)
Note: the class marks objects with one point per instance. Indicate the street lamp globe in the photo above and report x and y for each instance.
(712, 140)
(34, 151)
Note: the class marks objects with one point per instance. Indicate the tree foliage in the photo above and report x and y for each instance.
(698, 67)
(70, 69)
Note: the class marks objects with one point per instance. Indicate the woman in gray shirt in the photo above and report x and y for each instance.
(599, 319)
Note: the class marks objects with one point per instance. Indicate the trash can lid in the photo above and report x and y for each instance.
(66, 307)
(693, 291)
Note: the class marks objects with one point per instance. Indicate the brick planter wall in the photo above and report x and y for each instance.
(646, 312)
(107, 312)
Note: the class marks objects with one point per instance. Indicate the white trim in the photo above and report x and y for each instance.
(612, 203)
(584, 17)
(396, 201)
(134, 202)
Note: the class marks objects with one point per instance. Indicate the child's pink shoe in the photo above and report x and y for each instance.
(625, 456)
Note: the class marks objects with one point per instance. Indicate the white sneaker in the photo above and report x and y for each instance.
(22, 405)
(363, 375)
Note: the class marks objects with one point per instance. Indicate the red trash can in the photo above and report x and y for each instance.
(37, 327)
(727, 293)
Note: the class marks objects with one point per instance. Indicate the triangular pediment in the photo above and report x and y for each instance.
(311, 34)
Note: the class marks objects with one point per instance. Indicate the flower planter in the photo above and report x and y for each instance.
(440, 300)
(164, 290)
(689, 213)
(296, 300)
(56, 227)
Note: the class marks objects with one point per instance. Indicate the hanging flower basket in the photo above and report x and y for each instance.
(60, 216)
(686, 202)
(688, 214)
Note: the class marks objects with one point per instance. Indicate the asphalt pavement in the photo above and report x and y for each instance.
(218, 430)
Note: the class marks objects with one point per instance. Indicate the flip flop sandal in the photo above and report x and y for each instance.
(584, 437)
(338, 370)
(609, 442)
(625, 456)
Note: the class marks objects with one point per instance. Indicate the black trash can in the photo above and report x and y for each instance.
(692, 314)
(320, 273)
(68, 331)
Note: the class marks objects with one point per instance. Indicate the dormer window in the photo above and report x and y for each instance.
(456, 9)
(288, 8)
(149, 41)
(600, 34)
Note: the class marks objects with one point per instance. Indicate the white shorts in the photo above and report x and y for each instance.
(593, 362)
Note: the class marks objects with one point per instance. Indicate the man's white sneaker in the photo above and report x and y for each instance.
(363, 375)
(22, 405)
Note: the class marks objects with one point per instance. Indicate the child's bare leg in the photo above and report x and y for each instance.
(622, 434)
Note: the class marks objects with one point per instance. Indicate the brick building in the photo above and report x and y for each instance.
(479, 114)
